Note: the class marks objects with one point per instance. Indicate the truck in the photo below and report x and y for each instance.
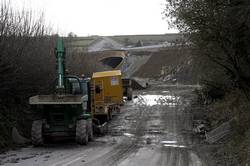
(107, 94)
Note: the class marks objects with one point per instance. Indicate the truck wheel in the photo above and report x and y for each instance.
(130, 96)
(110, 114)
(82, 132)
(90, 130)
(107, 118)
(37, 133)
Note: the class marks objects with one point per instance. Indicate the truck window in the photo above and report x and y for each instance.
(75, 86)
(84, 88)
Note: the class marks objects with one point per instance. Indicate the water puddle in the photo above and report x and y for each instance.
(154, 132)
(130, 117)
(128, 134)
(151, 100)
(172, 144)
(168, 142)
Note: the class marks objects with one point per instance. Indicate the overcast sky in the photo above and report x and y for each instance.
(101, 17)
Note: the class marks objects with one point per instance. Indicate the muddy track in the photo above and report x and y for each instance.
(127, 147)
(155, 129)
(114, 156)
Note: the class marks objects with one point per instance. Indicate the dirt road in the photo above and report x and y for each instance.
(155, 129)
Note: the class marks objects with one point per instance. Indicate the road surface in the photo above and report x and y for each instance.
(155, 129)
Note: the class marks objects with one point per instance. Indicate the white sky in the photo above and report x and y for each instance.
(101, 17)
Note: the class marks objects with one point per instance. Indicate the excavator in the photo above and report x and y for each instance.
(65, 113)
(79, 107)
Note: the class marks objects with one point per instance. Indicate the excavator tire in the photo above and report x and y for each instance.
(37, 133)
(90, 130)
(82, 132)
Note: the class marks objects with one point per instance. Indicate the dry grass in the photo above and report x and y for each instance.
(147, 39)
(235, 149)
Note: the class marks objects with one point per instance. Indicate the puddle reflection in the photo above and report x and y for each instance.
(172, 144)
(152, 100)
(128, 134)
(169, 142)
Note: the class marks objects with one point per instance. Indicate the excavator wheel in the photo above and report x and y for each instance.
(37, 133)
(90, 130)
(82, 132)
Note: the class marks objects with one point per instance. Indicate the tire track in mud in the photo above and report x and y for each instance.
(114, 156)
(176, 122)
(123, 150)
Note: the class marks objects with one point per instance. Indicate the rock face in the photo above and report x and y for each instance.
(17, 138)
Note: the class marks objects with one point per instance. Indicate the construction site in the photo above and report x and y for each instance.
(149, 115)
(179, 98)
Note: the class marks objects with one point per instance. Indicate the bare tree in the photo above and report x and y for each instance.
(26, 64)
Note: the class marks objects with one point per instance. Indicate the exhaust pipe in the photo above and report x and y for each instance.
(60, 57)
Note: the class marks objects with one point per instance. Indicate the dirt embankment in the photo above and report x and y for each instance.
(172, 65)
(226, 125)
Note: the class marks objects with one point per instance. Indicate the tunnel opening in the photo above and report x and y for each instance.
(112, 61)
